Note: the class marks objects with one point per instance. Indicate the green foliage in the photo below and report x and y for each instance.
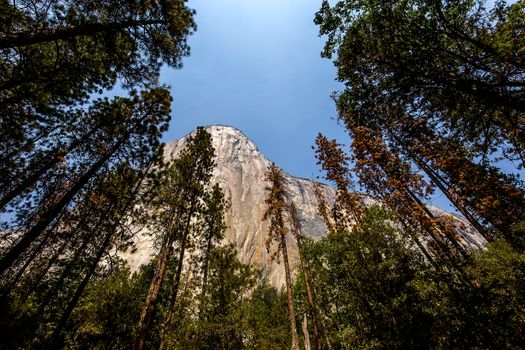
(435, 86)
(106, 317)
(178, 188)
(376, 292)
(366, 285)
(439, 85)
(266, 319)
(494, 303)
(125, 134)
(175, 202)
(57, 140)
(449, 60)
(54, 56)
(48, 285)
(239, 312)
(60, 52)
(220, 309)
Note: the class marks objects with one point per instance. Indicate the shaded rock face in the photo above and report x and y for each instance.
(240, 169)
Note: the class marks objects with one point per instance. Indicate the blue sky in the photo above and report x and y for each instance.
(256, 65)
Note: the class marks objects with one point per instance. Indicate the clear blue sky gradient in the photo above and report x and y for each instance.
(256, 65)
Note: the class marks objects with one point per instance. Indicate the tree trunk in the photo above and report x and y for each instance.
(435, 178)
(186, 292)
(206, 263)
(325, 331)
(56, 338)
(324, 327)
(65, 245)
(175, 288)
(415, 238)
(48, 217)
(291, 312)
(66, 242)
(25, 38)
(153, 293)
(311, 302)
(298, 233)
(173, 300)
(431, 216)
(158, 279)
(28, 262)
(44, 165)
(310, 291)
(58, 285)
(475, 223)
(305, 334)
(436, 238)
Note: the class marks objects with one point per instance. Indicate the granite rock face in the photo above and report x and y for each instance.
(240, 169)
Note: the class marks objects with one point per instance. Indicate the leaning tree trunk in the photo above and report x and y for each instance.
(57, 338)
(325, 331)
(42, 166)
(25, 38)
(153, 293)
(436, 180)
(174, 292)
(313, 307)
(48, 217)
(175, 287)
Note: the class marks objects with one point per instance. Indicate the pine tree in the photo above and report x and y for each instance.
(213, 231)
(348, 208)
(454, 62)
(483, 194)
(366, 286)
(58, 54)
(55, 280)
(276, 213)
(220, 321)
(57, 143)
(176, 198)
(130, 137)
(443, 90)
(266, 319)
(307, 273)
(394, 182)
